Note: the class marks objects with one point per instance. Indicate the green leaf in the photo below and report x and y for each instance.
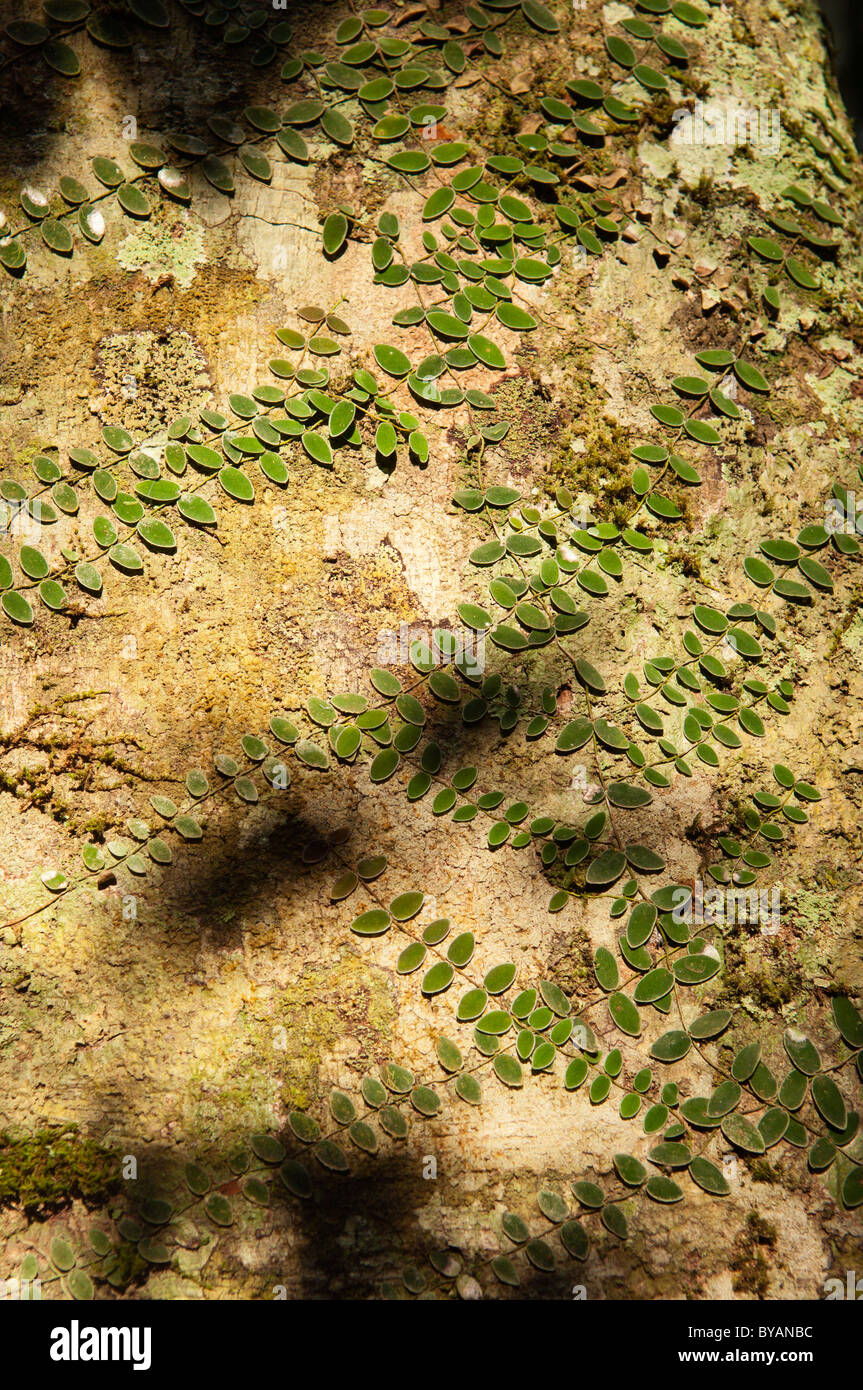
(625, 1014)
(710, 1025)
(750, 377)
(156, 534)
(815, 573)
(134, 200)
(237, 484)
(708, 1177)
(829, 1101)
(766, 248)
(802, 1052)
(310, 754)
(574, 735)
(337, 127)
(439, 203)
(514, 317)
(742, 1134)
(486, 351)
(471, 1005)
(503, 1267)
(295, 1178)
(496, 1022)
(625, 795)
(61, 58)
(317, 448)
(630, 1170)
(759, 572)
(640, 925)
(643, 859)
(852, 1188)
(330, 1155)
(406, 905)
(411, 958)
(407, 161)
(392, 360)
(687, 13)
(219, 1210)
(508, 1070)
(217, 173)
(196, 510)
(384, 765)
(607, 867)
(552, 1206)
(371, 923)
(696, 968)
(848, 1021)
(614, 1220)
(800, 275)
(745, 1062)
(499, 978)
(576, 1073)
(671, 1046)
(589, 1194)
(255, 164)
(663, 1189)
(540, 1253)
(649, 77)
(56, 236)
(656, 984)
(554, 997)
(335, 232)
(539, 16)
(605, 968)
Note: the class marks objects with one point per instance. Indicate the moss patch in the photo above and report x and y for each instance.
(44, 1171)
(751, 1270)
(571, 961)
(149, 378)
(594, 457)
(577, 445)
(761, 979)
(350, 998)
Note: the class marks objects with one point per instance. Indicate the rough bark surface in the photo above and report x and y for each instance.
(236, 993)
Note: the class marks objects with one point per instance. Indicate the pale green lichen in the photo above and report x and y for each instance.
(279, 1062)
(852, 638)
(159, 247)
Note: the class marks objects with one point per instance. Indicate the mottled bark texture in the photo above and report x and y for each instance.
(172, 1016)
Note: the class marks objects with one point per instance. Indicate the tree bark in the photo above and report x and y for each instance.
(172, 1016)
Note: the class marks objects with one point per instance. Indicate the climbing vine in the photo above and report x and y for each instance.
(493, 231)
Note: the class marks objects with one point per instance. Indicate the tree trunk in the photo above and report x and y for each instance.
(187, 1012)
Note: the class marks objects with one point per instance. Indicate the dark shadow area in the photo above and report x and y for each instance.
(342, 1235)
(272, 862)
(166, 78)
(353, 1235)
(845, 30)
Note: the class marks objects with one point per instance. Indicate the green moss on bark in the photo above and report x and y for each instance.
(44, 1171)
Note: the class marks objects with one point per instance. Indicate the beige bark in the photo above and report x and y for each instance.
(237, 993)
